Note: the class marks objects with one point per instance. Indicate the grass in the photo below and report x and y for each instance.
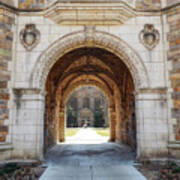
(71, 131)
(102, 131)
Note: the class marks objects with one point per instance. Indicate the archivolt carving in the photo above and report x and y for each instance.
(84, 39)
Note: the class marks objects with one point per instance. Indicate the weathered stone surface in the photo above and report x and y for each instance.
(29, 4)
(148, 4)
(174, 55)
(171, 2)
(6, 40)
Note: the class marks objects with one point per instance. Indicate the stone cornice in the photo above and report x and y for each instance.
(90, 13)
(151, 91)
(23, 91)
(42, 11)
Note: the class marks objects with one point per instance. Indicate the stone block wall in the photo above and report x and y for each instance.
(29, 4)
(6, 41)
(148, 4)
(140, 4)
(173, 19)
(171, 2)
(8, 2)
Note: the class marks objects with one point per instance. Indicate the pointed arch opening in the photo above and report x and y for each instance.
(91, 67)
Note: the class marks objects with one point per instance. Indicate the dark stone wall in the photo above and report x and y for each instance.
(6, 41)
(173, 19)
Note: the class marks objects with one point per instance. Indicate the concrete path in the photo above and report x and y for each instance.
(103, 161)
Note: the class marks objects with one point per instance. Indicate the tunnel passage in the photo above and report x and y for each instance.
(95, 67)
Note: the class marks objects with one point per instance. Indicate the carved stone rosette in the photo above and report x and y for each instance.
(30, 36)
(149, 36)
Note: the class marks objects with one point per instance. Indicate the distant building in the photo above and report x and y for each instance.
(85, 102)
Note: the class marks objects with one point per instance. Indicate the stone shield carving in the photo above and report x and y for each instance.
(30, 37)
(149, 36)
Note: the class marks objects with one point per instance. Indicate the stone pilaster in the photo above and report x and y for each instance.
(152, 126)
(27, 128)
(62, 125)
(112, 115)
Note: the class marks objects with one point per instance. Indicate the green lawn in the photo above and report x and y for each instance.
(71, 131)
(102, 131)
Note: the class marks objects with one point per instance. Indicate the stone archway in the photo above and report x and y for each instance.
(121, 52)
(90, 66)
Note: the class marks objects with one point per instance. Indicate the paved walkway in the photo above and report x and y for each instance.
(94, 161)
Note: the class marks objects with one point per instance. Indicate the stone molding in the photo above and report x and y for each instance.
(28, 91)
(130, 6)
(159, 94)
(85, 38)
(80, 13)
(151, 91)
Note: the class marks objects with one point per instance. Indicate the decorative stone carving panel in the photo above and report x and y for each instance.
(149, 36)
(30, 37)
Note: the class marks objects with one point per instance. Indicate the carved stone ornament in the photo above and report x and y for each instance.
(30, 37)
(149, 36)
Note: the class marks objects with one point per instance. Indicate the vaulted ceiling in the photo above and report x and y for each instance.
(90, 66)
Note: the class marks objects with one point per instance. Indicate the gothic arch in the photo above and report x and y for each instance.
(89, 38)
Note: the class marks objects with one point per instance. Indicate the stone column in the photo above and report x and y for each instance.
(27, 128)
(152, 126)
(112, 115)
(62, 125)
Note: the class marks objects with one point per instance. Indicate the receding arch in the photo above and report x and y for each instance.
(103, 89)
(96, 84)
(106, 68)
(91, 38)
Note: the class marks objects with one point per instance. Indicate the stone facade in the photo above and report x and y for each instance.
(46, 51)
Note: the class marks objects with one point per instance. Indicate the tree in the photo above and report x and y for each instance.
(71, 117)
(99, 117)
